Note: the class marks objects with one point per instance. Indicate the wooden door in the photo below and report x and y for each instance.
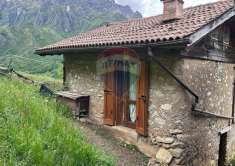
(109, 99)
(142, 100)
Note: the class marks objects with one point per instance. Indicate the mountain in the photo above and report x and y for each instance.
(28, 24)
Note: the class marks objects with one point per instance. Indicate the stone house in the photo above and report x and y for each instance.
(164, 83)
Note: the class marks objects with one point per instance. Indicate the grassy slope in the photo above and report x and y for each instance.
(33, 131)
(54, 83)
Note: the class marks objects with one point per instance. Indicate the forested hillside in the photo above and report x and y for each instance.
(29, 24)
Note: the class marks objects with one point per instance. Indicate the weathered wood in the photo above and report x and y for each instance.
(232, 24)
(109, 100)
(75, 102)
(195, 37)
(200, 52)
(216, 46)
(68, 94)
(142, 101)
(23, 77)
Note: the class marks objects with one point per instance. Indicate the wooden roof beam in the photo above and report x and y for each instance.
(202, 32)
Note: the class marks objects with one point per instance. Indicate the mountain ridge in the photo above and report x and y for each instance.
(29, 24)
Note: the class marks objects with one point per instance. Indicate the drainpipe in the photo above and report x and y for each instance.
(150, 54)
(187, 88)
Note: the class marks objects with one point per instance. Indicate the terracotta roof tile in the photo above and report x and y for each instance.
(144, 30)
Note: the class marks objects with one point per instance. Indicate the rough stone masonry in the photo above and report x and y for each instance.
(178, 136)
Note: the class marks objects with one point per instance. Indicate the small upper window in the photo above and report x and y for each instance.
(220, 38)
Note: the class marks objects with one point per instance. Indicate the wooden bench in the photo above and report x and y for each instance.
(79, 105)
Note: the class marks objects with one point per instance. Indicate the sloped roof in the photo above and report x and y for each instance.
(144, 30)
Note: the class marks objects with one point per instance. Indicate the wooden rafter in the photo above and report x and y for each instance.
(202, 32)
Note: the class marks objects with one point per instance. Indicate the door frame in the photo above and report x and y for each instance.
(142, 91)
(122, 114)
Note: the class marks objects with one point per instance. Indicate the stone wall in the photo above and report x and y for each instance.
(81, 77)
(213, 82)
(169, 106)
(179, 137)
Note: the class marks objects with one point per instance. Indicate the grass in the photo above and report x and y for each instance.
(54, 83)
(36, 131)
(233, 161)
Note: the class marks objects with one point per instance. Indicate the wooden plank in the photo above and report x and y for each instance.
(142, 101)
(70, 95)
(202, 32)
(109, 100)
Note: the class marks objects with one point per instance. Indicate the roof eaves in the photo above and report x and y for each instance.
(204, 30)
(59, 51)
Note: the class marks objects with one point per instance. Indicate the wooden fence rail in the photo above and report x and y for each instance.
(44, 89)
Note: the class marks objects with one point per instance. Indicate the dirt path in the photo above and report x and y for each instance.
(126, 155)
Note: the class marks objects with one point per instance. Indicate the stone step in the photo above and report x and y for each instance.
(130, 136)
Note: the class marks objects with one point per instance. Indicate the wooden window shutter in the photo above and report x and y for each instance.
(109, 99)
(142, 101)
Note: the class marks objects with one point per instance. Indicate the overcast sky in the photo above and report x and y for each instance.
(154, 7)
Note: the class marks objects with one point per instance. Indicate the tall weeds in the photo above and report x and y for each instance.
(34, 131)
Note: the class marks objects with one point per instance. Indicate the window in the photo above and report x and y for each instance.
(132, 93)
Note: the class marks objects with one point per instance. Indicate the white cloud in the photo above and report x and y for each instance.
(154, 7)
